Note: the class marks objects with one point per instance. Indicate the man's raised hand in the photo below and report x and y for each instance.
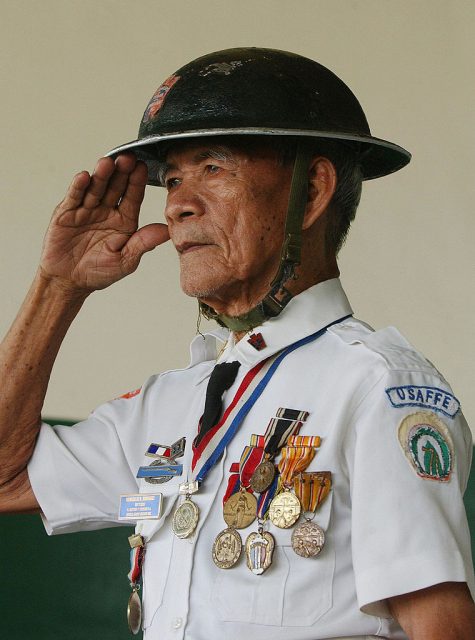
(93, 239)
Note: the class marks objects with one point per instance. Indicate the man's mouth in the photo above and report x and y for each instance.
(188, 247)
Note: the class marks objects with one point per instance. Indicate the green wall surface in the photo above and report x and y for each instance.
(75, 587)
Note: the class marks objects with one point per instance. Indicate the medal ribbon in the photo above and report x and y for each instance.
(293, 461)
(311, 488)
(136, 561)
(304, 441)
(216, 440)
(264, 500)
(277, 433)
(257, 441)
(292, 414)
(251, 457)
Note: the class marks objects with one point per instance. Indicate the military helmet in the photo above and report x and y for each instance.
(255, 91)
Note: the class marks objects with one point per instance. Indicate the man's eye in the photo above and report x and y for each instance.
(212, 168)
(172, 182)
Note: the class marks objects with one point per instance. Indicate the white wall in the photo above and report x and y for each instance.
(76, 77)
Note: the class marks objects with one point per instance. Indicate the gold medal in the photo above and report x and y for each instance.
(239, 511)
(227, 548)
(134, 612)
(308, 539)
(185, 519)
(263, 476)
(284, 510)
(259, 550)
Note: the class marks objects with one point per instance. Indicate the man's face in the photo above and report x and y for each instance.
(226, 210)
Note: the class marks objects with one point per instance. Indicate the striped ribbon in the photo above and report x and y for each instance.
(311, 488)
(293, 461)
(216, 440)
(304, 441)
(265, 498)
(136, 561)
(277, 433)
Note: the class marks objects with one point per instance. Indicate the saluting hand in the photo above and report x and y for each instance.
(93, 239)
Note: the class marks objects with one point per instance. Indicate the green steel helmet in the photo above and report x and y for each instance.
(255, 91)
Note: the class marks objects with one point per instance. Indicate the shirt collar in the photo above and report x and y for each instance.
(306, 313)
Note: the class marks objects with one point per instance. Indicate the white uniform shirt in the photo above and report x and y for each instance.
(388, 530)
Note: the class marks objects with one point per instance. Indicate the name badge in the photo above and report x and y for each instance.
(141, 506)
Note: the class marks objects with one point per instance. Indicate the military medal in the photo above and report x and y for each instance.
(308, 538)
(277, 433)
(263, 476)
(134, 605)
(284, 510)
(259, 550)
(134, 612)
(164, 467)
(227, 548)
(239, 511)
(186, 516)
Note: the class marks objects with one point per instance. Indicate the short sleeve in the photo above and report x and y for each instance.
(410, 466)
(78, 473)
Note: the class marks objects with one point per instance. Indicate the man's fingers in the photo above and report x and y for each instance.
(100, 179)
(75, 193)
(134, 193)
(145, 239)
(125, 168)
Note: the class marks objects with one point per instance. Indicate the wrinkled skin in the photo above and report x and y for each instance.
(226, 218)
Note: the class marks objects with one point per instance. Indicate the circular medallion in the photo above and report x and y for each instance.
(263, 476)
(284, 510)
(134, 613)
(161, 480)
(239, 511)
(227, 548)
(308, 539)
(185, 519)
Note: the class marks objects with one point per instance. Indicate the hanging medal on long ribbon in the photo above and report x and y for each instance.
(308, 538)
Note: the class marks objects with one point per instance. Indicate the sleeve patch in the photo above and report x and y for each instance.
(427, 445)
(130, 394)
(425, 397)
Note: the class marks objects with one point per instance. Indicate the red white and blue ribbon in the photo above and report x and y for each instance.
(217, 439)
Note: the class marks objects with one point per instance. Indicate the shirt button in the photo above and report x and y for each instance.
(177, 623)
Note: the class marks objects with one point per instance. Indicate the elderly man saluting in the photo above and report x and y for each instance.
(304, 482)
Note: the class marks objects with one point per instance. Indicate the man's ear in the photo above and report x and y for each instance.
(322, 185)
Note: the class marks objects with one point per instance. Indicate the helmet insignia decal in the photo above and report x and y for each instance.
(222, 68)
(158, 98)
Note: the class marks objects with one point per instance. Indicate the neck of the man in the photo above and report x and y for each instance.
(302, 282)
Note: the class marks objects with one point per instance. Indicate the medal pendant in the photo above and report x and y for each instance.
(185, 519)
(263, 476)
(308, 539)
(239, 511)
(134, 612)
(227, 548)
(259, 550)
(284, 510)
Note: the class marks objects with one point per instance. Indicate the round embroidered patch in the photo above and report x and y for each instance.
(427, 444)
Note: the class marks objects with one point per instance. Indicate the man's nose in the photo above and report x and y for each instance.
(183, 202)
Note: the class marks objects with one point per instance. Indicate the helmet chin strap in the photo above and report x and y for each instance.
(278, 296)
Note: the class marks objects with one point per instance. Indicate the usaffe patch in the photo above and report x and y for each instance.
(428, 446)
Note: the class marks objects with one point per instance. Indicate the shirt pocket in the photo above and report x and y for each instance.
(293, 592)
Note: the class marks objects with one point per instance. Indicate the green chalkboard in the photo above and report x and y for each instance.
(74, 587)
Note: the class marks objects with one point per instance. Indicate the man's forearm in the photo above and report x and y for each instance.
(27, 355)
